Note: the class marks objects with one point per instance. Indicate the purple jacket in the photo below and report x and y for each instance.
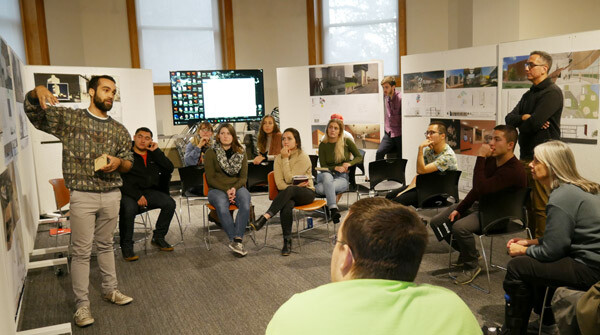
(393, 115)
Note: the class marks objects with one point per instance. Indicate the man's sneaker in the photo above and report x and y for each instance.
(238, 249)
(83, 316)
(467, 275)
(161, 244)
(117, 298)
(128, 254)
(460, 262)
(534, 326)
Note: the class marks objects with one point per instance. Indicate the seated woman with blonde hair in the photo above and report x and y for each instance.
(334, 155)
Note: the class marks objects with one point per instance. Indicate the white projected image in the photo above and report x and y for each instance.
(224, 98)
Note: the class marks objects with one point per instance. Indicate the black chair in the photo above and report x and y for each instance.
(258, 176)
(314, 160)
(191, 186)
(352, 172)
(437, 189)
(387, 172)
(500, 213)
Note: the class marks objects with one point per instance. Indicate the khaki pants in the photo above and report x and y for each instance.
(93, 219)
(536, 207)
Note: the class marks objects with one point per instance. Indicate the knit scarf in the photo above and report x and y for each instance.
(232, 165)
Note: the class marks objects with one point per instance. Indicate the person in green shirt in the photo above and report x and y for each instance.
(334, 156)
(376, 256)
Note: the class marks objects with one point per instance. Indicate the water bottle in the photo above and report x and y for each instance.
(309, 222)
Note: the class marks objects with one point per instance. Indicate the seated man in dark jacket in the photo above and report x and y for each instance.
(142, 188)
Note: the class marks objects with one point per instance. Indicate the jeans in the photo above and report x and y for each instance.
(285, 201)
(330, 184)
(462, 234)
(220, 201)
(408, 198)
(93, 219)
(387, 145)
(129, 209)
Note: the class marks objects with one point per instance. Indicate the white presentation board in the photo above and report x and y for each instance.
(576, 59)
(308, 95)
(457, 87)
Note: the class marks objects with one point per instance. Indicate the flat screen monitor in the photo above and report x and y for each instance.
(217, 96)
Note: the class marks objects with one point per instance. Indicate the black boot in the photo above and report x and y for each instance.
(287, 246)
(335, 215)
(258, 224)
(517, 308)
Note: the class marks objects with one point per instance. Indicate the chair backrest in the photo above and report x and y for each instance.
(257, 174)
(504, 211)
(434, 189)
(191, 178)
(273, 190)
(61, 193)
(382, 170)
(314, 159)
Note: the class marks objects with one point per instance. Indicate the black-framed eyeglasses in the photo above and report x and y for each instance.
(530, 65)
(430, 133)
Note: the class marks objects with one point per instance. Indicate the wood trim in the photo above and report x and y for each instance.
(310, 29)
(402, 49)
(162, 89)
(227, 38)
(314, 25)
(33, 20)
(134, 46)
(320, 31)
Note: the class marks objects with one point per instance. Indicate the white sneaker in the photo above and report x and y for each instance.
(83, 317)
(117, 298)
(238, 249)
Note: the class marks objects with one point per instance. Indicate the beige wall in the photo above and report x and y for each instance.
(270, 34)
(88, 33)
(542, 18)
(426, 26)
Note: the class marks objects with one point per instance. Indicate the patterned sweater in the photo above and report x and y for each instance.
(84, 138)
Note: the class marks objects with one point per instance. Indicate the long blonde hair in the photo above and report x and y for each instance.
(340, 142)
(560, 161)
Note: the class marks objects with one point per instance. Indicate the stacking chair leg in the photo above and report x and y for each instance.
(206, 226)
(543, 309)
(146, 221)
(180, 230)
(487, 266)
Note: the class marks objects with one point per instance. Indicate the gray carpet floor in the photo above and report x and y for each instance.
(198, 291)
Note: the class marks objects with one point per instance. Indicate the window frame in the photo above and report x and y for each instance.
(227, 41)
(314, 10)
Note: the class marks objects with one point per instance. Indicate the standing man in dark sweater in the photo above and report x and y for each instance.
(496, 169)
(141, 189)
(537, 116)
(392, 138)
(86, 136)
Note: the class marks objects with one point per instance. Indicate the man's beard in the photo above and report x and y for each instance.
(101, 105)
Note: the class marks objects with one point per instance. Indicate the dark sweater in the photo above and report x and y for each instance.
(489, 178)
(144, 177)
(572, 227)
(544, 102)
